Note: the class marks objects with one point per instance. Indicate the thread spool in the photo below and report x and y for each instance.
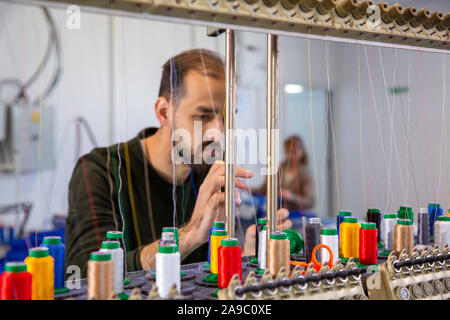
(11, 235)
(270, 3)
(345, 7)
(435, 18)
(118, 236)
(391, 13)
(217, 225)
(445, 24)
(434, 211)
(216, 237)
(403, 236)
(326, 6)
(421, 16)
(407, 15)
(340, 219)
(2, 235)
(113, 247)
(262, 249)
(289, 4)
(57, 251)
(279, 252)
(423, 229)
(230, 261)
(349, 238)
(442, 231)
(312, 236)
(329, 237)
(374, 215)
(368, 243)
(307, 5)
(405, 212)
(176, 235)
(15, 282)
(295, 241)
(259, 227)
(361, 10)
(388, 225)
(168, 269)
(40, 265)
(100, 276)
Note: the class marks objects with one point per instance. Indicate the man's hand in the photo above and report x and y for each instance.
(210, 203)
(250, 236)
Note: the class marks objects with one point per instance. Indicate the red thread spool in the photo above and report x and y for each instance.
(368, 235)
(230, 261)
(15, 282)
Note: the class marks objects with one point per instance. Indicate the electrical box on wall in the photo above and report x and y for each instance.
(30, 139)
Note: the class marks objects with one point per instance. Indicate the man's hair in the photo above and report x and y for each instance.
(175, 69)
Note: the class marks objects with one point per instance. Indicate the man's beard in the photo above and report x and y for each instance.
(208, 152)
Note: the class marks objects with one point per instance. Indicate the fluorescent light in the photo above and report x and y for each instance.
(292, 88)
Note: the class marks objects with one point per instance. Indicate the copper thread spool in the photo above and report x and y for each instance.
(270, 3)
(421, 16)
(307, 5)
(408, 14)
(289, 4)
(445, 24)
(279, 252)
(435, 18)
(325, 6)
(345, 7)
(390, 13)
(100, 276)
(361, 10)
(403, 236)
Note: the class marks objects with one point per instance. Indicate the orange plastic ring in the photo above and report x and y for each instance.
(317, 264)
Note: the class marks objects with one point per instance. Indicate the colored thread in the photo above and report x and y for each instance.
(259, 227)
(217, 225)
(113, 248)
(147, 190)
(434, 211)
(279, 252)
(317, 264)
(403, 236)
(330, 238)
(40, 266)
(131, 195)
(216, 238)
(262, 249)
(389, 222)
(100, 276)
(230, 261)
(442, 231)
(368, 243)
(167, 269)
(312, 236)
(15, 282)
(374, 215)
(363, 172)
(57, 251)
(423, 229)
(349, 238)
(340, 218)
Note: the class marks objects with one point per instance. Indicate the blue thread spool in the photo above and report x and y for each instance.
(217, 225)
(2, 234)
(340, 218)
(11, 234)
(434, 211)
(57, 251)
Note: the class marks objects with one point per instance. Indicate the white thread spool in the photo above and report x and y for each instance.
(388, 224)
(262, 251)
(113, 247)
(167, 269)
(442, 231)
(329, 237)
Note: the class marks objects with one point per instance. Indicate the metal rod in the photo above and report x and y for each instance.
(375, 42)
(272, 137)
(230, 107)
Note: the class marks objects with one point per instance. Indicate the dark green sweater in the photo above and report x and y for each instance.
(145, 201)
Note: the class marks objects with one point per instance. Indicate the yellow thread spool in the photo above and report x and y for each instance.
(40, 264)
(216, 237)
(349, 238)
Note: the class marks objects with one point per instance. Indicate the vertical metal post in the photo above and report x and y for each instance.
(230, 107)
(272, 137)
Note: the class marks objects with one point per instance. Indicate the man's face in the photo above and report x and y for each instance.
(201, 111)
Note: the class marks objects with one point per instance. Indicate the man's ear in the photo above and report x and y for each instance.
(163, 111)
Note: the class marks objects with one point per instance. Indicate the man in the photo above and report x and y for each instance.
(133, 185)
